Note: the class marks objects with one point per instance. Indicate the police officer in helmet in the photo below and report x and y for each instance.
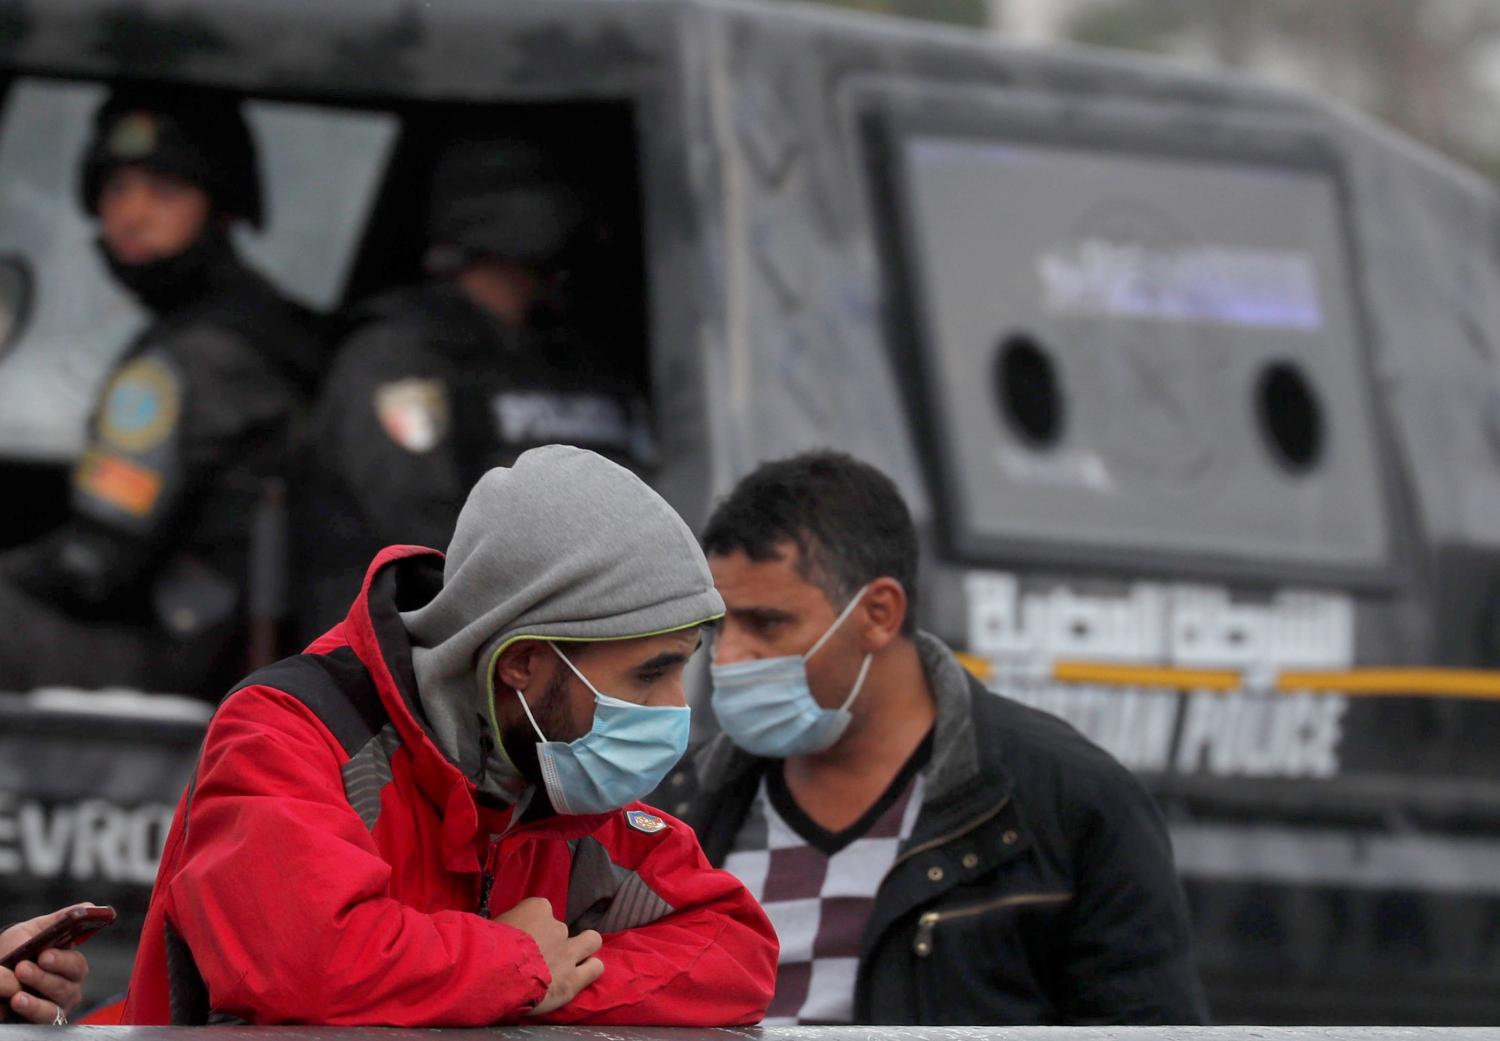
(143, 585)
(437, 383)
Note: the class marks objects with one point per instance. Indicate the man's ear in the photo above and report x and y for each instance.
(517, 664)
(882, 614)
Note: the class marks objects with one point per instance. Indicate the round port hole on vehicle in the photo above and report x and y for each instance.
(1290, 417)
(1028, 391)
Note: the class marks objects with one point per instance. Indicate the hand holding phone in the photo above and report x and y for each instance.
(46, 993)
(72, 928)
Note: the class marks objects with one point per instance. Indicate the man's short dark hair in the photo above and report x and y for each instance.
(846, 518)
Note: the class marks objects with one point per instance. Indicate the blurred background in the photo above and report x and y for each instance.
(1428, 67)
(1176, 321)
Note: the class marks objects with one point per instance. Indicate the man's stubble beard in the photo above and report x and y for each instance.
(555, 720)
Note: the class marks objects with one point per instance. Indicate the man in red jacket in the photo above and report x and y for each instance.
(430, 818)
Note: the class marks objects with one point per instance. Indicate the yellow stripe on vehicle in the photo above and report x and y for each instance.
(1398, 682)
(1390, 682)
(1146, 676)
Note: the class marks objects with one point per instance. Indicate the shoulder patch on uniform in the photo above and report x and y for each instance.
(413, 413)
(649, 823)
(141, 406)
(121, 483)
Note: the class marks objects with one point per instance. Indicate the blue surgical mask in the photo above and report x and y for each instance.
(767, 708)
(625, 755)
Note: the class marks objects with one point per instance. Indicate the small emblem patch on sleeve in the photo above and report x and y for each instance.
(640, 820)
(141, 407)
(121, 483)
(413, 413)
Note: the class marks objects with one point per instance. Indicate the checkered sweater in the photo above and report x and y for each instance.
(819, 889)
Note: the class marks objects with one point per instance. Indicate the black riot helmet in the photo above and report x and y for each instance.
(201, 138)
(504, 198)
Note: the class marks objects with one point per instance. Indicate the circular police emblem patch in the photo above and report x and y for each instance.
(413, 413)
(640, 820)
(141, 407)
(133, 137)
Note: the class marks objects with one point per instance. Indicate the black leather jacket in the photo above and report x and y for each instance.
(1037, 887)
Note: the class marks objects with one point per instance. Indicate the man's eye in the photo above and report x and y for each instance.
(649, 678)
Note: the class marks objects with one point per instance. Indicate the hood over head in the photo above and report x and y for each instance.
(564, 545)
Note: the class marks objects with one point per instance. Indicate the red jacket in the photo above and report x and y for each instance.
(328, 864)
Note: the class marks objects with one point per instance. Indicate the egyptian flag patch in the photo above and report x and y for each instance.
(413, 413)
(649, 823)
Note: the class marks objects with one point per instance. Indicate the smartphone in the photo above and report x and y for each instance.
(74, 927)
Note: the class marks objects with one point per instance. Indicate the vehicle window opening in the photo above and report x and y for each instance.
(1291, 417)
(1028, 392)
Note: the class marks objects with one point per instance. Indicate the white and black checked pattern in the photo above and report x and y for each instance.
(819, 903)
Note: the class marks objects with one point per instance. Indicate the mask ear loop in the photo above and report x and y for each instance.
(864, 670)
(527, 709)
(569, 664)
(840, 620)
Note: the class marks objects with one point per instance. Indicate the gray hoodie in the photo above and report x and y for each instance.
(563, 545)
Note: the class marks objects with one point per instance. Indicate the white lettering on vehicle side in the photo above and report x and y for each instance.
(1254, 731)
(545, 417)
(85, 841)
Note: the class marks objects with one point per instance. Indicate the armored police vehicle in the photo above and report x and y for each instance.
(1192, 384)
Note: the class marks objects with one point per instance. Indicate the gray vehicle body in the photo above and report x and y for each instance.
(1263, 332)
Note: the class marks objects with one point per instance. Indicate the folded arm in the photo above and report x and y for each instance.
(709, 960)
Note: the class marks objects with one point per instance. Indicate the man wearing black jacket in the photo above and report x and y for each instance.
(930, 852)
(144, 584)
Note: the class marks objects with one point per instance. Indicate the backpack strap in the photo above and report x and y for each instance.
(337, 688)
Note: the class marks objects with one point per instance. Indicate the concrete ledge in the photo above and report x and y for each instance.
(539, 1033)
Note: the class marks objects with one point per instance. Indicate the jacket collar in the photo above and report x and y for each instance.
(400, 578)
(963, 779)
(955, 752)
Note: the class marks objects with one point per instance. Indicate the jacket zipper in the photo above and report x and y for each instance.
(487, 880)
(930, 920)
(983, 818)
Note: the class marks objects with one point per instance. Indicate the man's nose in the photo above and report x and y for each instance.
(131, 203)
(730, 646)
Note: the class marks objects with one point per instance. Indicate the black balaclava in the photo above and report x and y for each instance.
(160, 285)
